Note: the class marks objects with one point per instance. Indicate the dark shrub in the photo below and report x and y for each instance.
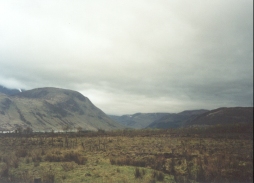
(4, 171)
(158, 176)
(21, 153)
(48, 177)
(137, 173)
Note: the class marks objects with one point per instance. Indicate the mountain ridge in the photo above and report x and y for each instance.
(9, 91)
(176, 120)
(224, 115)
(187, 118)
(51, 108)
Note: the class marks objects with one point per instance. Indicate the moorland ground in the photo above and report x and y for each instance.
(219, 154)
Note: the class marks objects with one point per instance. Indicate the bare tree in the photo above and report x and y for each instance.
(20, 129)
(79, 129)
(66, 128)
(28, 130)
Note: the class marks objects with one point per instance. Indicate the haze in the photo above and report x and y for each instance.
(132, 56)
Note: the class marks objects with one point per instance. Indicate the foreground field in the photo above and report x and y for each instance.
(126, 156)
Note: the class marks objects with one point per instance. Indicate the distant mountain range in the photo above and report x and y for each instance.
(157, 120)
(230, 115)
(138, 120)
(51, 108)
(45, 109)
(176, 120)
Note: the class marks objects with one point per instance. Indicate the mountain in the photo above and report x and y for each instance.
(176, 120)
(52, 108)
(9, 91)
(224, 116)
(138, 120)
(221, 116)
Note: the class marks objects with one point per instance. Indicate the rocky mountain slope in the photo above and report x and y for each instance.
(52, 108)
(138, 120)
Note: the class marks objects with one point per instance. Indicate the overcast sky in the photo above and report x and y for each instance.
(131, 56)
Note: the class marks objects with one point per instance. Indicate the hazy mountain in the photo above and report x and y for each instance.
(9, 91)
(52, 108)
(224, 116)
(176, 120)
(138, 120)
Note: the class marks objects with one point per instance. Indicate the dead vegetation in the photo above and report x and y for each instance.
(127, 156)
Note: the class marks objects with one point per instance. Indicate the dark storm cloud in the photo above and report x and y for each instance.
(132, 56)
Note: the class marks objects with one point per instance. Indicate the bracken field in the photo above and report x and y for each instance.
(216, 154)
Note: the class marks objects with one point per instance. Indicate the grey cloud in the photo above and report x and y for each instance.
(132, 56)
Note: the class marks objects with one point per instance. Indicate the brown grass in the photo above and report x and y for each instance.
(154, 156)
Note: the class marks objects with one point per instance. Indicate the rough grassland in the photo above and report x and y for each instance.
(125, 156)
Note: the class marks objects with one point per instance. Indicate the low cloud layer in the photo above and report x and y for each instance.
(132, 56)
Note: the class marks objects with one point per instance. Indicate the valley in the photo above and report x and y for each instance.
(52, 135)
